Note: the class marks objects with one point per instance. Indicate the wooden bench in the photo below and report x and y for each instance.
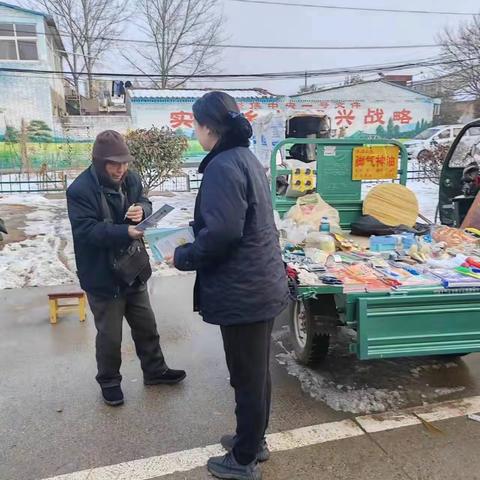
(57, 308)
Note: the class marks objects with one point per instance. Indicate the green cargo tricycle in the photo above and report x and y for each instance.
(387, 324)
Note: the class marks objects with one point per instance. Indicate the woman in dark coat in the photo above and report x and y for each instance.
(241, 282)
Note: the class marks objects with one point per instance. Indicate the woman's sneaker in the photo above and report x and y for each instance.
(228, 442)
(228, 467)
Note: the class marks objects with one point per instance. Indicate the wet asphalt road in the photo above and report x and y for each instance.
(52, 420)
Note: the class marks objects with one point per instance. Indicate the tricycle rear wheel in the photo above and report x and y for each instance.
(310, 346)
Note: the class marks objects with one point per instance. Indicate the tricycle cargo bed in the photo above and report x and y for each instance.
(413, 325)
(407, 324)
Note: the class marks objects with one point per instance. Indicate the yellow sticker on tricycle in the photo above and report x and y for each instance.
(375, 163)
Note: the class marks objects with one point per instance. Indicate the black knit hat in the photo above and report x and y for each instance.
(110, 146)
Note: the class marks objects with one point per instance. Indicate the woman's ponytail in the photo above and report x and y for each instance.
(240, 126)
(220, 113)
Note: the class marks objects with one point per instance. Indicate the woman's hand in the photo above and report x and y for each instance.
(134, 233)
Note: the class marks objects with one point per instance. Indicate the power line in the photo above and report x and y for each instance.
(248, 47)
(363, 9)
(265, 75)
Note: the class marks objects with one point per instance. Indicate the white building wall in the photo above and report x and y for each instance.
(363, 108)
(28, 96)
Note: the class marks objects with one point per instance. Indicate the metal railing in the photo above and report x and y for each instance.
(33, 182)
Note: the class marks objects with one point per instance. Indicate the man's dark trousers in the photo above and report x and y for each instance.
(135, 306)
(247, 351)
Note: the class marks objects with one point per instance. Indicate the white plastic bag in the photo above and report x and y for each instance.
(310, 209)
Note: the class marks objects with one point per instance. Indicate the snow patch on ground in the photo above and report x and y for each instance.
(183, 203)
(348, 384)
(34, 263)
(345, 398)
(47, 257)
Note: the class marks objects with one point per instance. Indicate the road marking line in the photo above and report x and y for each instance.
(159, 466)
(313, 435)
(387, 421)
(446, 410)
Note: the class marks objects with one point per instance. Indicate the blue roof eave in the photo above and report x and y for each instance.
(21, 9)
(193, 99)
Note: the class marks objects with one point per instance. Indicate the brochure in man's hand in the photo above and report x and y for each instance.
(164, 241)
(154, 218)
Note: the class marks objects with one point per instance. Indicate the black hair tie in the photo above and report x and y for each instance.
(235, 115)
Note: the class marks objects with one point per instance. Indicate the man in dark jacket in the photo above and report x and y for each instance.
(99, 237)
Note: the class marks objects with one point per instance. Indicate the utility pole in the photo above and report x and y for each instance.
(23, 147)
(306, 80)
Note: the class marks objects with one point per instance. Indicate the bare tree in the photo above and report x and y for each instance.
(431, 162)
(91, 27)
(461, 50)
(185, 36)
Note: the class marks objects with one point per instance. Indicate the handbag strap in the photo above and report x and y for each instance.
(107, 214)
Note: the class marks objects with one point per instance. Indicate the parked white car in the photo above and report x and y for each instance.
(424, 141)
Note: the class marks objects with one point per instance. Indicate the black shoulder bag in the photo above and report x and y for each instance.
(130, 263)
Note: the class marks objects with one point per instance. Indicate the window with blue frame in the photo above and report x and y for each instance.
(18, 41)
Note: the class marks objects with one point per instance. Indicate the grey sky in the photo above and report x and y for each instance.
(282, 25)
(277, 25)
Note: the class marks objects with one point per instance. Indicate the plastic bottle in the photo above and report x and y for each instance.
(325, 225)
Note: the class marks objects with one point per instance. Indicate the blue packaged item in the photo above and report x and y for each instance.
(408, 239)
(383, 243)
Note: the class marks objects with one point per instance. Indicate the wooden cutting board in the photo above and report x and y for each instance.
(392, 204)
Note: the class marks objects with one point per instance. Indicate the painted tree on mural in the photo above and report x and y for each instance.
(38, 131)
(89, 29)
(185, 36)
(390, 128)
(393, 130)
(11, 135)
(381, 132)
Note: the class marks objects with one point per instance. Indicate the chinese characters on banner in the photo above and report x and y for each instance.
(404, 117)
(181, 119)
(344, 114)
(184, 119)
(344, 118)
(375, 163)
(374, 116)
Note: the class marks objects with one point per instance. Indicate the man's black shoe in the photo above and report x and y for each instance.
(228, 442)
(168, 377)
(112, 396)
(227, 467)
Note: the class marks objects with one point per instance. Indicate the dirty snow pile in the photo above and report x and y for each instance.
(46, 257)
(347, 384)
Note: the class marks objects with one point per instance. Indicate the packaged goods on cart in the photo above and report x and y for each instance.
(452, 237)
(358, 277)
(453, 279)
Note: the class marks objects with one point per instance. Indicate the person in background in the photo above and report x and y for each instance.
(3, 229)
(241, 281)
(104, 204)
